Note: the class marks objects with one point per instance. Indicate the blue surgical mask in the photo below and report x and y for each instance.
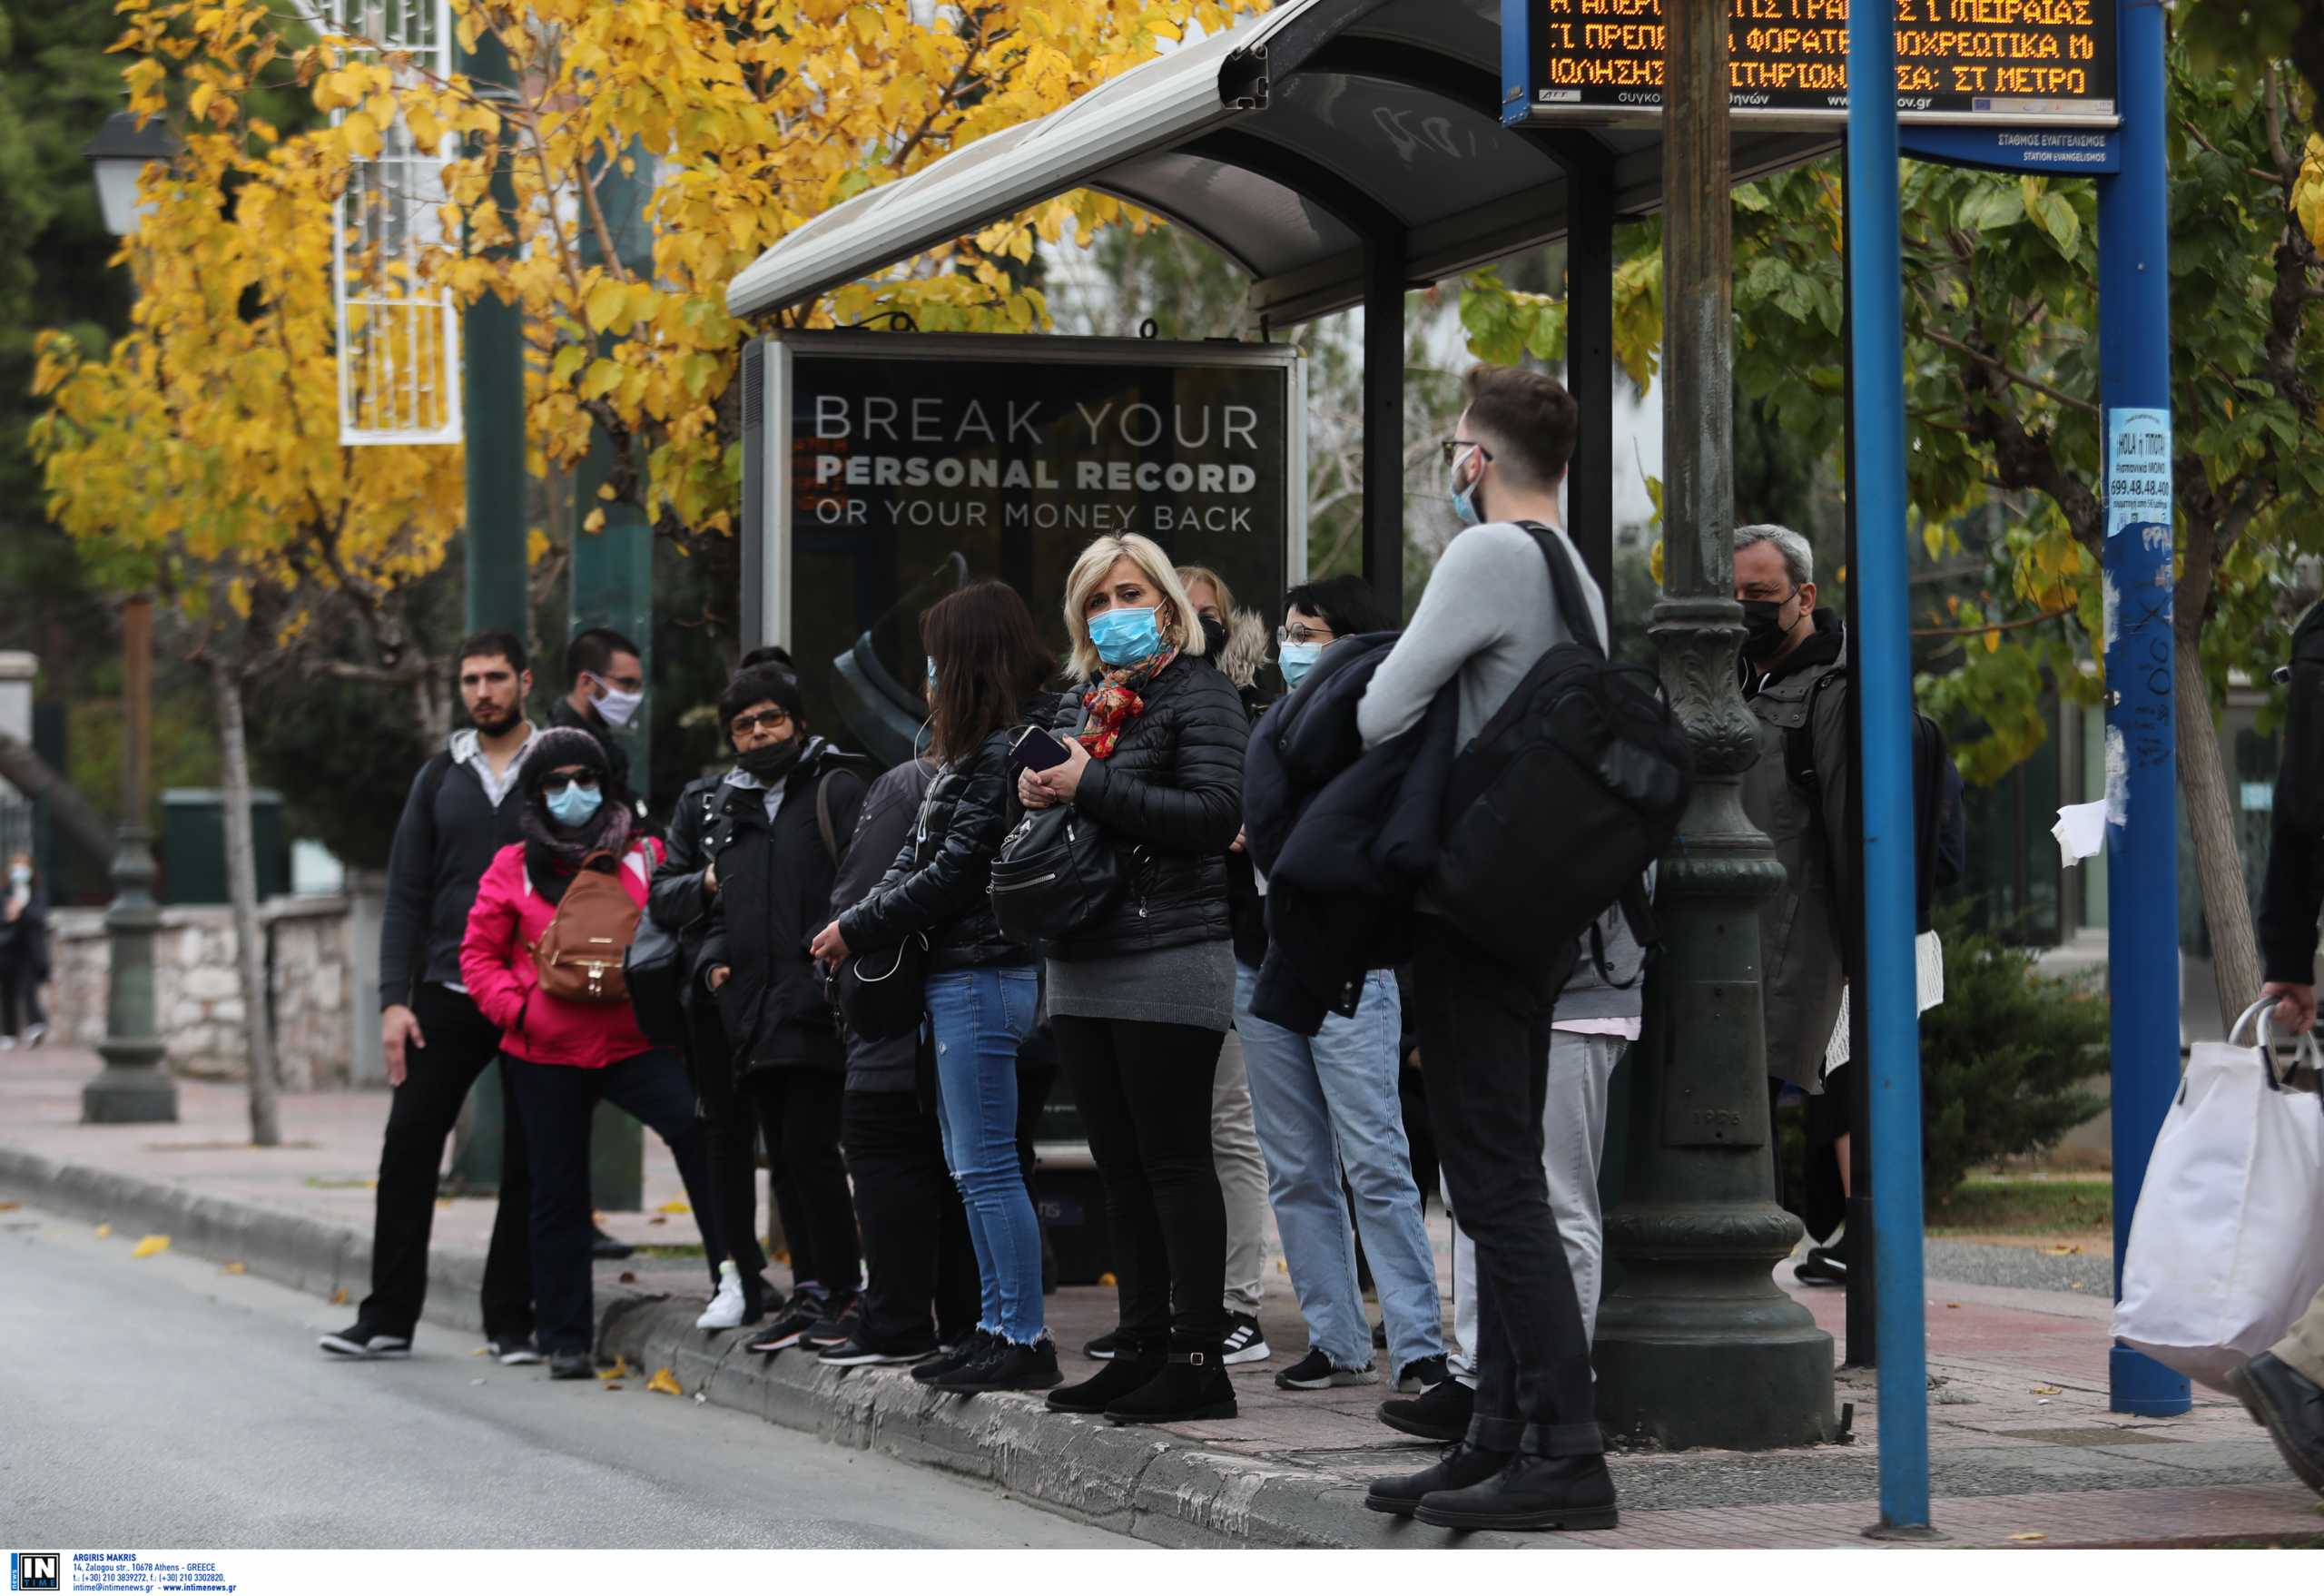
(1464, 499)
(575, 804)
(1297, 660)
(1124, 637)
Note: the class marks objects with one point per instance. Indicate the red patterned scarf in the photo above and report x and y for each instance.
(1113, 702)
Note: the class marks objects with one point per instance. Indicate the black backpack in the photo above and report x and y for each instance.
(1940, 810)
(1565, 797)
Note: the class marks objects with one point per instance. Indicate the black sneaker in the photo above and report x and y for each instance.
(513, 1350)
(1462, 1465)
(1316, 1372)
(1423, 1375)
(1245, 1343)
(853, 1354)
(1442, 1412)
(1105, 1347)
(602, 1246)
(1380, 1336)
(360, 1340)
(838, 1324)
(1005, 1366)
(1531, 1494)
(790, 1326)
(1822, 1266)
(572, 1365)
(958, 1356)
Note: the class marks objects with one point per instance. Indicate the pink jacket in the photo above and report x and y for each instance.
(497, 966)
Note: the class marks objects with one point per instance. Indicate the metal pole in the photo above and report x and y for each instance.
(1698, 1346)
(1884, 681)
(1863, 1331)
(2143, 814)
(1384, 419)
(133, 1088)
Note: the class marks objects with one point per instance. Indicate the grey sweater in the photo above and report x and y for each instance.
(1487, 616)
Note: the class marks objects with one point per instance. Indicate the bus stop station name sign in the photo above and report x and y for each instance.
(1957, 61)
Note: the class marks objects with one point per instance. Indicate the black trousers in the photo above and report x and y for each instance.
(1484, 1042)
(1144, 1090)
(731, 1125)
(798, 1113)
(420, 1114)
(19, 999)
(558, 1101)
(916, 1246)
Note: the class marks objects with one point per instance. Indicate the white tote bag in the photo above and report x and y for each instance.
(2227, 1247)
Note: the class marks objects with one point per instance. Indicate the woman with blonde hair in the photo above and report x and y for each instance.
(1142, 998)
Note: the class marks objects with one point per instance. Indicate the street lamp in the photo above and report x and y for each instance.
(133, 1088)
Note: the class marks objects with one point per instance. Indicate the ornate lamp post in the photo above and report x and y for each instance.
(1698, 1346)
(133, 1088)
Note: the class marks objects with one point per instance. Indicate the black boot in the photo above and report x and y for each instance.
(1193, 1384)
(1532, 1492)
(1461, 1466)
(1442, 1412)
(1131, 1365)
(2292, 1408)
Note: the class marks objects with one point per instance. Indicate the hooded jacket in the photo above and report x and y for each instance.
(497, 964)
(1803, 940)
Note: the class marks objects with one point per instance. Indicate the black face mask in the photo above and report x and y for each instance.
(1214, 632)
(774, 762)
(1763, 629)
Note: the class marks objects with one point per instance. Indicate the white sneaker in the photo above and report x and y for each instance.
(7, 1044)
(726, 1309)
(33, 1037)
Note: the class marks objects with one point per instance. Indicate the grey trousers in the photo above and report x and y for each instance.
(1573, 1140)
(1242, 1180)
(2303, 1347)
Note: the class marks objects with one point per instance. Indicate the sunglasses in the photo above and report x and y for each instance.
(769, 720)
(1452, 447)
(553, 785)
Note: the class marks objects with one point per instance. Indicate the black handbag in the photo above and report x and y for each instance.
(655, 967)
(1056, 873)
(881, 994)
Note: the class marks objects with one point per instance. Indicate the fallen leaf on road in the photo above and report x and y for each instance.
(613, 1385)
(236, 1268)
(666, 1383)
(104, 1231)
(629, 1276)
(674, 1207)
(479, 1352)
(1952, 1304)
(620, 1371)
(149, 1246)
(2049, 1390)
(10, 1207)
(659, 1219)
(2062, 1252)
(2073, 1285)
(339, 1296)
(2029, 1535)
(1108, 1279)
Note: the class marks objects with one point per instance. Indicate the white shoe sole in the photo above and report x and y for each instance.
(510, 1360)
(867, 1359)
(343, 1347)
(719, 1319)
(1336, 1378)
(1258, 1352)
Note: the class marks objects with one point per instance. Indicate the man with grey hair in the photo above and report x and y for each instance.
(1795, 675)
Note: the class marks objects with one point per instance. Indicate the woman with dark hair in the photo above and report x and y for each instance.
(748, 883)
(1142, 999)
(1329, 1114)
(24, 954)
(986, 666)
(564, 1054)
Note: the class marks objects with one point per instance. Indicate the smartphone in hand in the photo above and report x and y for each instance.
(1036, 750)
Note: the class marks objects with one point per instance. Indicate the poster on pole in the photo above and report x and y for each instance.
(2023, 63)
(883, 470)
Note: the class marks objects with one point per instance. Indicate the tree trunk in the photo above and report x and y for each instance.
(2218, 861)
(241, 887)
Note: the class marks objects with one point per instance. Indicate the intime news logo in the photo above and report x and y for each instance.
(35, 1571)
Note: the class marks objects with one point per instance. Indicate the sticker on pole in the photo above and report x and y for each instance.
(2138, 474)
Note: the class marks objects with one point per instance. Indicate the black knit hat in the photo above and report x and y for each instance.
(559, 747)
(762, 684)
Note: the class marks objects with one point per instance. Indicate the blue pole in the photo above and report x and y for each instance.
(2143, 829)
(1884, 673)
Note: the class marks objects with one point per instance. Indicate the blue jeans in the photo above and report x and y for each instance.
(1326, 1108)
(979, 1017)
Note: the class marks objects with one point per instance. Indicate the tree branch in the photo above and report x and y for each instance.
(33, 776)
(2016, 625)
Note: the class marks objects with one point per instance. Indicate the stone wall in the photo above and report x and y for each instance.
(198, 993)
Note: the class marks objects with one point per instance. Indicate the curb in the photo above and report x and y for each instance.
(1129, 1478)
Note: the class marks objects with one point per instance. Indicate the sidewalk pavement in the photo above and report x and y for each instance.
(2024, 1451)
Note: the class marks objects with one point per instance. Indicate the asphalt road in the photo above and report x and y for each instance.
(161, 1401)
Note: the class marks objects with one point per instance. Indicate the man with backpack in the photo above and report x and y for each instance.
(461, 811)
(1533, 1457)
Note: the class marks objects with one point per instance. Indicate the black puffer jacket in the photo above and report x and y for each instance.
(1171, 798)
(940, 881)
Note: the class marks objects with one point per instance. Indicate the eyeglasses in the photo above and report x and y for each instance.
(1303, 634)
(553, 785)
(1452, 447)
(766, 720)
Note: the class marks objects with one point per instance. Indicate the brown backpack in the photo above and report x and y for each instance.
(580, 956)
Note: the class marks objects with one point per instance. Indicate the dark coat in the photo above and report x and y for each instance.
(2294, 892)
(774, 893)
(1346, 836)
(939, 881)
(883, 826)
(1170, 798)
(445, 839)
(23, 941)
